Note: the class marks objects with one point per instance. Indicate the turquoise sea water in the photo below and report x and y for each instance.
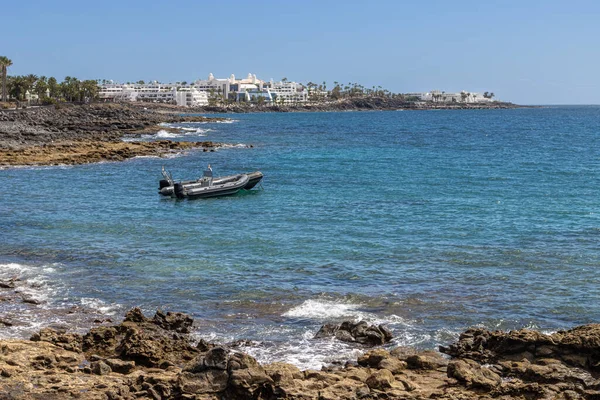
(427, 221)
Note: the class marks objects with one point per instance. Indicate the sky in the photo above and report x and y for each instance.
(527, 52)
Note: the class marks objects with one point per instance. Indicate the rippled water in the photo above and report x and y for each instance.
(427, 221)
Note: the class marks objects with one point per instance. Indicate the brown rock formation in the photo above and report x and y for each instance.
(153, 358)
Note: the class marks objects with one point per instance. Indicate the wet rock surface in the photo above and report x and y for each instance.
(359, 332)
(154, 358)
(77, 134)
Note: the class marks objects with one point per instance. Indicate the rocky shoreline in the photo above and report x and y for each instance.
(77, 134)
(155, 358)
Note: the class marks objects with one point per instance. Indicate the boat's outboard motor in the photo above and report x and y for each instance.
(179, 191)
(163, 183)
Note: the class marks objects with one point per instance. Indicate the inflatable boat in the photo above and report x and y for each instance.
(207, 185)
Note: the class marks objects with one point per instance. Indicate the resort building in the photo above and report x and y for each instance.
(191, 97)
(153, 92)
(288, 92)
(109, 91)
(199, 92)
(438, 96)
(214, 86)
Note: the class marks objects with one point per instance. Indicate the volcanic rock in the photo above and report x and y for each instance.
(360, 332)
(152, 358)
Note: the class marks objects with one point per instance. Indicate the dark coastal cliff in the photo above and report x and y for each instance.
(154, 358)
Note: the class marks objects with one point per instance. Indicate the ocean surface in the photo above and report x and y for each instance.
(426, 221)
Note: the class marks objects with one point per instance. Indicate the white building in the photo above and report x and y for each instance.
(288, 92)
(200, 91)
(108, 91)
(191, 97)
(213, 86)
(438, 96)
(154, 92)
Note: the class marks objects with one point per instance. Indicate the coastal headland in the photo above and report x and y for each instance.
(78, 134)
(155, 358)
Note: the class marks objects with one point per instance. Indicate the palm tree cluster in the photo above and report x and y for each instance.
(47, 90)
(347, 91)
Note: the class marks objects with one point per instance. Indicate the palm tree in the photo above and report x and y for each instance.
(5, 62)
(31, 79)
(41, 85)
(89, 90)
(17, 86)
(53, 88)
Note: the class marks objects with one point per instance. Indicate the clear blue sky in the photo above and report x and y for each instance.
(528, 52)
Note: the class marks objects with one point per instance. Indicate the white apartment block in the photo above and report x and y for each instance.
(200, 91)
(191, 97)
(288, 92)
(154, 92)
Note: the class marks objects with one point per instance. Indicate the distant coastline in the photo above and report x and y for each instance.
(352, 104)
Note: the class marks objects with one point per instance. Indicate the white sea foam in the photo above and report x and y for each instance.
(227, 121)
(53, 304)
(198, 131)
(9, 270)
(99, 305)
(234, 146)
(324, 309)
(164, 134)
(304, 351)
(32, 281)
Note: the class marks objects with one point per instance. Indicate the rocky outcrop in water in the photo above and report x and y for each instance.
(154, 358)
(101, 121)
(356, 332)
(77, 134)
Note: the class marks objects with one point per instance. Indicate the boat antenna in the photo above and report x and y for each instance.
(167, 175)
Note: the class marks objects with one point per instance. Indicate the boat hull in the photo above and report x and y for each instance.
(214, 190)
(253, 179)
